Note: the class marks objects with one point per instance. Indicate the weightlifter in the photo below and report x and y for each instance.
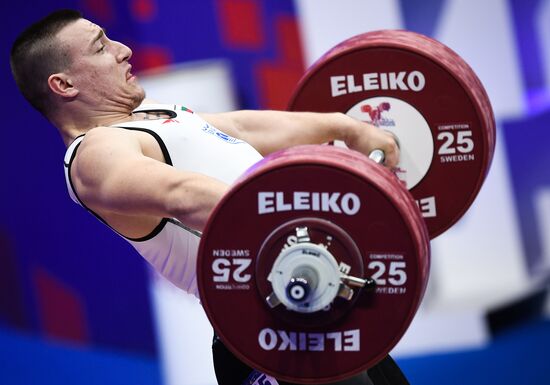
(151, 172)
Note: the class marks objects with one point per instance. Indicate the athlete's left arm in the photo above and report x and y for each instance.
(269, 131)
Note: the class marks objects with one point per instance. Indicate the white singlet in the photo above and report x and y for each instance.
(191, 144)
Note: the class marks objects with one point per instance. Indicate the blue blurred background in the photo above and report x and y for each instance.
(77, 305)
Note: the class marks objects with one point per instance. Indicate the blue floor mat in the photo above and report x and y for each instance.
(29, 360)
(519, 356)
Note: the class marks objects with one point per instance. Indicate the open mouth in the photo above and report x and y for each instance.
(129, 74)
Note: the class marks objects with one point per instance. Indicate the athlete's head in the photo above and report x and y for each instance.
(65, 58)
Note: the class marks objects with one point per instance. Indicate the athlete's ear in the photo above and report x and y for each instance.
(61, 84)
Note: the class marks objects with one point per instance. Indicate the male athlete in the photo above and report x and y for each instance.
(153, 173)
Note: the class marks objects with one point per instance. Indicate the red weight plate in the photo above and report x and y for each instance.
(386, 227)
(429, 97)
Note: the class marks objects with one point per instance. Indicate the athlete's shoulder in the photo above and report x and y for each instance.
(103, 133)
(104, 141)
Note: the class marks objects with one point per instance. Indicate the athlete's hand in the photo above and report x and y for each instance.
(365, 138)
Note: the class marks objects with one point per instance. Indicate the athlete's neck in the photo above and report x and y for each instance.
(79, 118)
(72, 126)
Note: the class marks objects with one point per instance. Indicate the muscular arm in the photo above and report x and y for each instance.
(112, 174)
(269, 131)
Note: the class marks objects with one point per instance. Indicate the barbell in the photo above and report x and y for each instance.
(312, 266)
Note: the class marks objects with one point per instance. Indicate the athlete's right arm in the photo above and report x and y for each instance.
(111, 174)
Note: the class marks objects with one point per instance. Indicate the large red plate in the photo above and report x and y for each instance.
(426, 94)
(387, 229)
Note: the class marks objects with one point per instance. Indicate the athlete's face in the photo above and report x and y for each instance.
(100, 70)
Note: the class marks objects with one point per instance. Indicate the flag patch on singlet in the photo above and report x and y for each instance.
(220, 135)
